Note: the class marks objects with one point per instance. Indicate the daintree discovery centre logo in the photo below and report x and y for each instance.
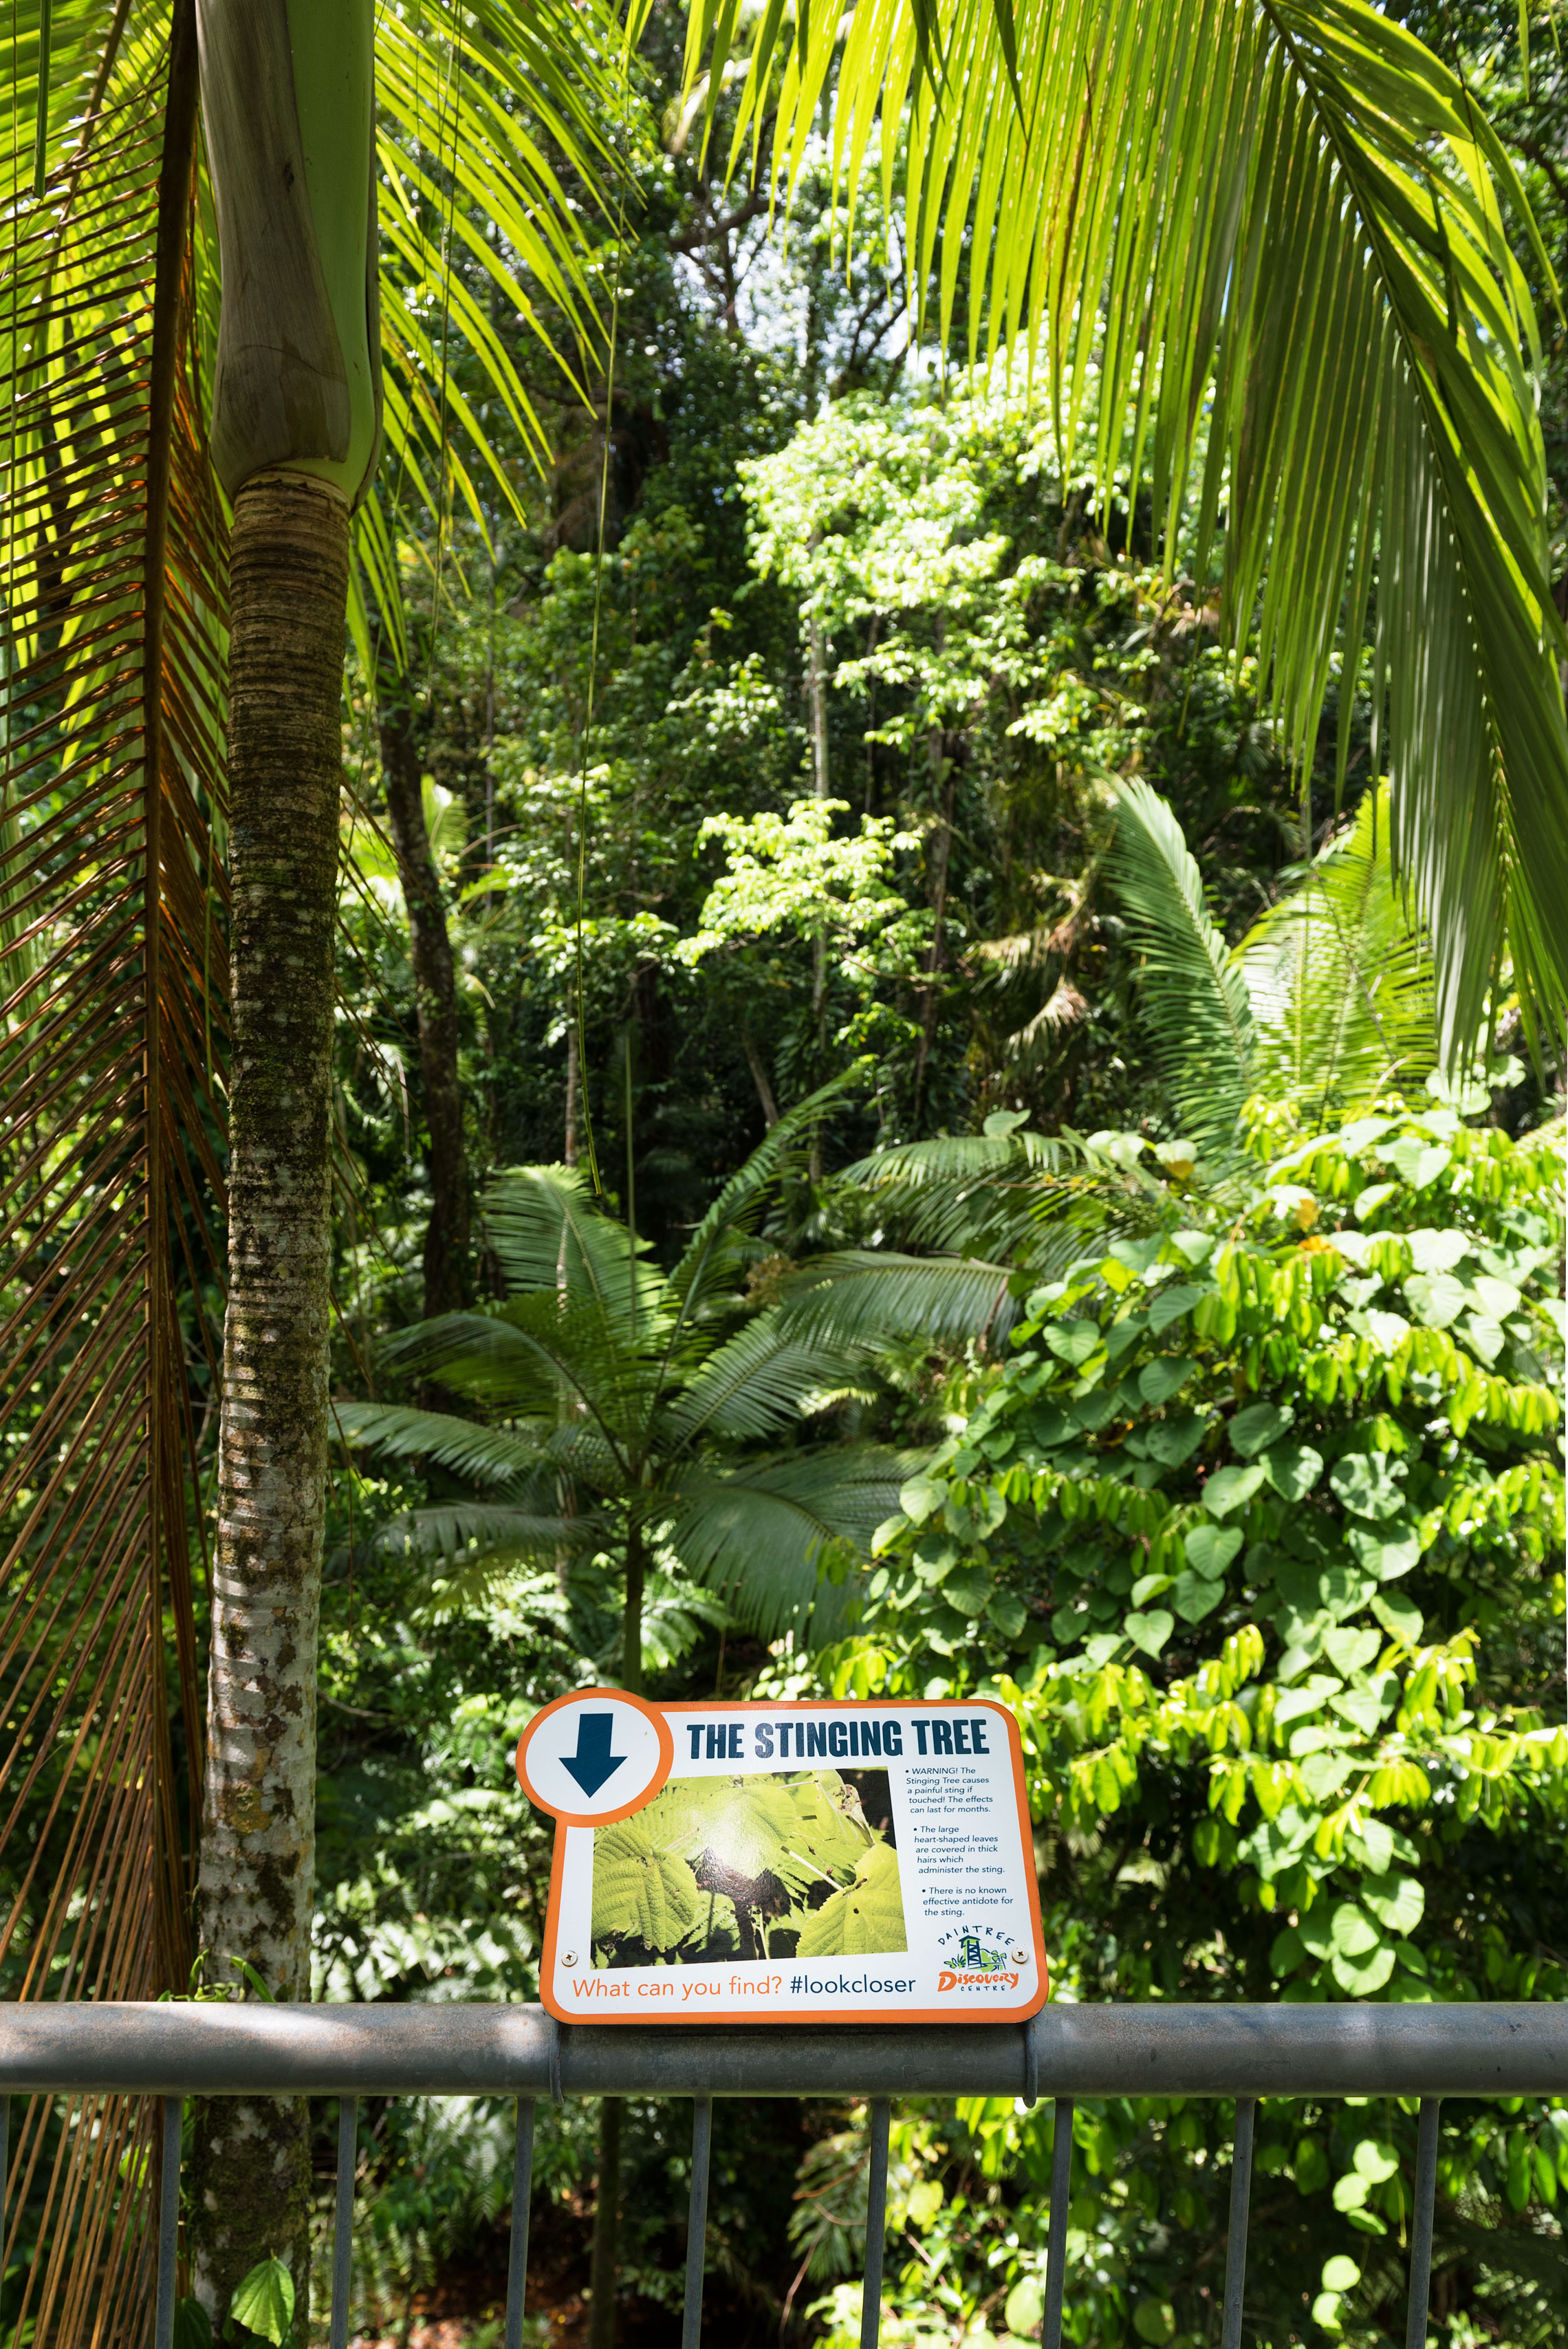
(972, 1965)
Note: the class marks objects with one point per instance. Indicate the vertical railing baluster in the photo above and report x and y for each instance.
(876, 2222)
(522, 2193)
(1236, 2243)
(1057, 2250)
(4, 2165)
(1422, 2233)
(343, 2229)
(167, 2224)
(697, 2220)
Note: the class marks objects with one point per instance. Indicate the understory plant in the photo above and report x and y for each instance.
(1259, 1529)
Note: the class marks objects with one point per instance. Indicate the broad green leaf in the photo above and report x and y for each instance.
(1230, 1488)
(1483, 1336)
(1171, 1305)
(1436, 1298)
(1438, 1252)
(1148, 1631)
(1150, 1586)
(919, 1498)
(968, 1590)
(1398, 1902)
(642, 1890)
(1261, 1424)
(1293, 1469)
(864, 1919)
(1500, 1298)
(1173, 1441)
(1375, 2160)
(265, 2299)
(1349, 1649)
(192, 2327)
(1362, 1483)
(1194, 1598)
(1363, 1975)
(1211, 1549)
(1072, 1341)
(1398, 1614)
(1025, 2305)
(1340, 2274)
(1389, 1550)
(1009, 1614)
(1418, 1162)
(1158, 1381)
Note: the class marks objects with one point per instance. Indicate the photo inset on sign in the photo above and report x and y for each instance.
(774, 1865)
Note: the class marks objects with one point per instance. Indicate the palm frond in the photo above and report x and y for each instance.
(112, 638)
(753, 1387)
(705, 1258)
(489, 1455)
(551, 1236)
(962, 1193)
(1259, 247)
(492, 1533)
(1195, 1001)
(755, 1532)
(1341, 983)
(855, 1296)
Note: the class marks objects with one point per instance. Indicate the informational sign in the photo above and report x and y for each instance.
(785, 1863)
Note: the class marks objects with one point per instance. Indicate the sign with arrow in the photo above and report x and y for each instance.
(754, 1862)
(595, 1757)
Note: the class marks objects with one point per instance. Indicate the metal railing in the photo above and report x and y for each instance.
(174, 2051)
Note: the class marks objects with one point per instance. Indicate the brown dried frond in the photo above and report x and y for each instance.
(112, 1035)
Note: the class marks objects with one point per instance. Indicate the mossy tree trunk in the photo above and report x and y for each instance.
(288, 586)
(288, 102)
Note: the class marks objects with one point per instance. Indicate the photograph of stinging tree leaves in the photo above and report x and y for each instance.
(771, 1865)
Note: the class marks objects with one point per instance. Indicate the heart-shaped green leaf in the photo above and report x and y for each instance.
(1398, 1614)
(1072, 1341)
(1171, 1304)
(1211, 1549)
(1362, 1483)
(1483, 1336)
(1149, 1631)
(1351, 1930)
(1158, 1381)
(919, 1498)
(1386, 1551)
(1173, 1441)
(1293, 1469)
(1350, 1650)
(1008, 1613)
(1230, 1488)
(1150, 1586)
(1436, 1298)
(1397, 1901)
(1418, 1162)
(1262, 1424)
(1195, 1598)
(1433, 1251)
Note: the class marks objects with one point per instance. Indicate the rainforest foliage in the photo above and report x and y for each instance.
(892, 1136)
(892, 953)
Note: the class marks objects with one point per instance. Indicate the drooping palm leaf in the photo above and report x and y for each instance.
(756, 1384)
(855, 1296)
(1260, 243)
(112, 1039)
(756, 1531)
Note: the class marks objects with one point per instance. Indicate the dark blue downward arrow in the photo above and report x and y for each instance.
(592, 1763)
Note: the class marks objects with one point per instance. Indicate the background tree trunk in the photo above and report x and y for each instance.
(606, 2228)
(289, 578)
(446, 1287)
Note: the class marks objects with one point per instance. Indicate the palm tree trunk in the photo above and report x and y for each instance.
(436, 1004)
(288, 586)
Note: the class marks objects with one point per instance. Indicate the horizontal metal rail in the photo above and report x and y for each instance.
(200, 2050)
(176, 2050)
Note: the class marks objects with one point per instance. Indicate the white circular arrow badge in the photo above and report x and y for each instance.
(595, 1757)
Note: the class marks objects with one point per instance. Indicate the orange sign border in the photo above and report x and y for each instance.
(597, 2021)
(597, 1818)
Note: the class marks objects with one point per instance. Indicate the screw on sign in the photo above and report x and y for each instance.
(785, 1862)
